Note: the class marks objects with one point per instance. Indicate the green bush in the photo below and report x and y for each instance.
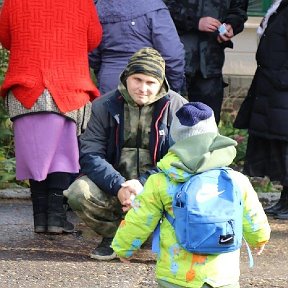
(7, 158)
(239, 135)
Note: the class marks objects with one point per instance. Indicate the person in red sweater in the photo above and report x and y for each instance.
(47, 92)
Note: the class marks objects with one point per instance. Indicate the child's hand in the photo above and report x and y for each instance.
(258, 250)
(125, 260)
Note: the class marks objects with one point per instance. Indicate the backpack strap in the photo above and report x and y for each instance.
(169, 218)
(156, 233)
(156, 239)
(251, 260)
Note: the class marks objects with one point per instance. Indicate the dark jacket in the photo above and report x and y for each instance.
(129, 25)
(101, 143)
(270, 110)
(203, 52)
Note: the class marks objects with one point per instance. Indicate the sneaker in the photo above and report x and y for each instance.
(104, 251)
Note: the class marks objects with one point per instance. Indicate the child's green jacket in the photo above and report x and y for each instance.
(174, 264)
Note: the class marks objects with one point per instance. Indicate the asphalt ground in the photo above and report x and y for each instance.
(38, 260)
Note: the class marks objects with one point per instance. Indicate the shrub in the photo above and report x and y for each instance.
(260, 184)
(7, 158)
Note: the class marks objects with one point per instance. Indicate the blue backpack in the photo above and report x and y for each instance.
(208, 213)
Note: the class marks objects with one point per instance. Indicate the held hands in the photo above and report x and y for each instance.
(127, 192)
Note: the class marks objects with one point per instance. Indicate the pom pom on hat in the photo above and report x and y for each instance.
(191, 119)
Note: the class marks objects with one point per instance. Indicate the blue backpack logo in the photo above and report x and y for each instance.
(208, 213)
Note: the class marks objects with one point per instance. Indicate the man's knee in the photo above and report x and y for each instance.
(78, 192)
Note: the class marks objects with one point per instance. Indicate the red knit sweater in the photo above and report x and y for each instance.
(49, 42)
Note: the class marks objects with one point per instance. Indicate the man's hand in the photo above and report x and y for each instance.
(130, 187)
(208, 24)
(227, 36)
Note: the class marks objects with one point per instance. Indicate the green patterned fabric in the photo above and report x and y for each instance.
(174, 264)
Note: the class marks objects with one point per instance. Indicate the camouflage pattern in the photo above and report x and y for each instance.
(186, 13)
(100, 211)
(203, 52)
(135, 155)
(147, 61)
(204, 55)
(93, 205)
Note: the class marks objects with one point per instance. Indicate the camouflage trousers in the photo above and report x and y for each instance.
(100, 211)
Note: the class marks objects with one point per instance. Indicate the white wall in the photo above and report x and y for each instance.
(241, 59)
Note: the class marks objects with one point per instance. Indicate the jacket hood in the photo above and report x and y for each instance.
(114, 11)
(197, 154)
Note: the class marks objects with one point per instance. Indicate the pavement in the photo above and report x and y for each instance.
(39, 260)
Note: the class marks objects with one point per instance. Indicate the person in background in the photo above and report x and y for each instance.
(127, 134)
(267, 147)
(196, 146)
(47, 91)
(206, 28)
(129, 25)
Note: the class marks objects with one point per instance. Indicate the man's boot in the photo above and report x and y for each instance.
(282, 203)
(39, 196)
(57, 221)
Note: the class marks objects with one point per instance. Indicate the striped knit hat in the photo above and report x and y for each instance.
(146, 61)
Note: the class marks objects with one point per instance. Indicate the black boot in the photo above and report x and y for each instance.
(282, 203)
(39, 196)
(282, 214)
(57, 221)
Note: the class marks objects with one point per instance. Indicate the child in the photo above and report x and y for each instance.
(196, 147)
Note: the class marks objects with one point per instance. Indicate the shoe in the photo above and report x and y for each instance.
(282, 214)
(56, 228)
(276, 208)
(104, 251)
(40, 223)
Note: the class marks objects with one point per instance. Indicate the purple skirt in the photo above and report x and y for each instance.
(45, 143)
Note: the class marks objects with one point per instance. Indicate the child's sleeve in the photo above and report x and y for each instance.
(140, 221)
(256, 229)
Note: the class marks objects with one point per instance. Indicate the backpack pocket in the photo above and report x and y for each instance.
(205, 236)
(210, 237)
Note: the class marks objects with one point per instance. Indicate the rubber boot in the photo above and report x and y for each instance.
(39, 196)
(57, 220)
(282, 203)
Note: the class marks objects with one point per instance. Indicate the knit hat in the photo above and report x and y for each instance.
(146, 61)
(191, 119)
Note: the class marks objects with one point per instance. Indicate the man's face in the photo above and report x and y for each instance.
(142, 88)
